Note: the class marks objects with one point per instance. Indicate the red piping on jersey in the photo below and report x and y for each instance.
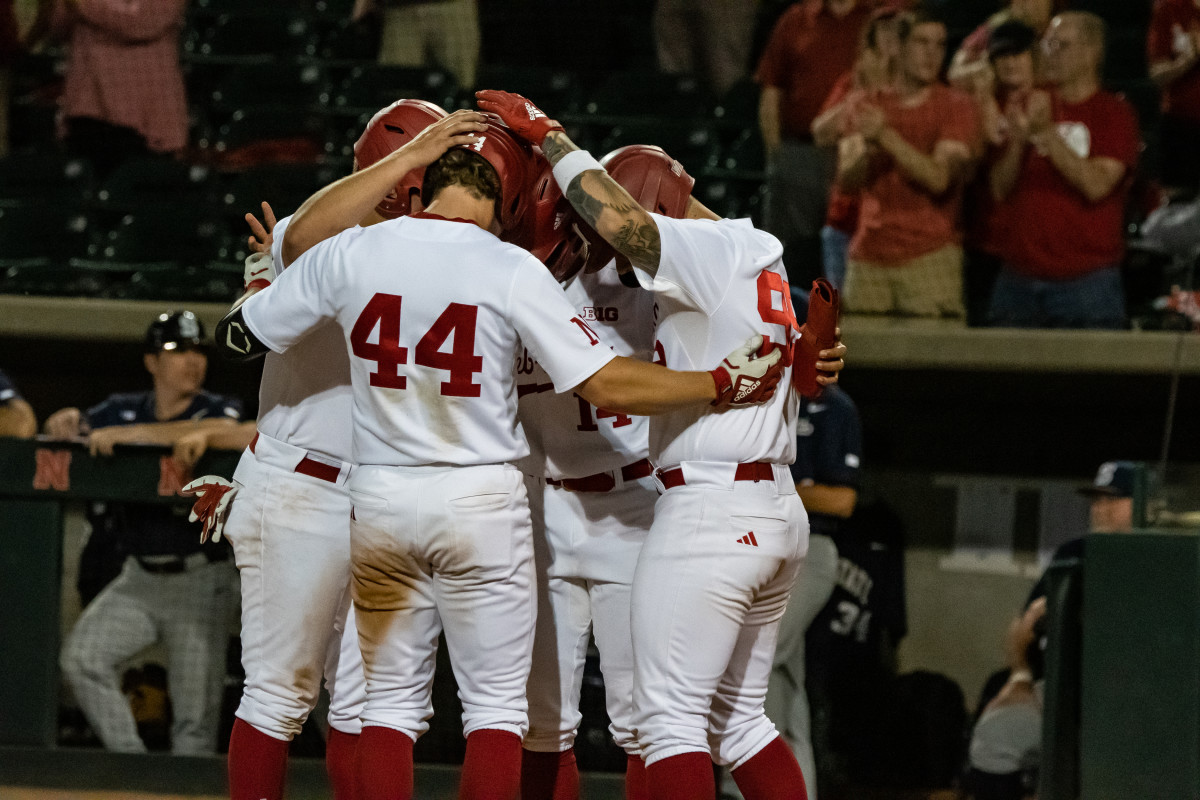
(427, 215)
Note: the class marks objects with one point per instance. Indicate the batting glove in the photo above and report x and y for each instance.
(212, 493)
(521, 116)
(260, 271)
(744, 379)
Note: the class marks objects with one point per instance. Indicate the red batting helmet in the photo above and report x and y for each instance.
(554, 233)
(514, 163)
(390, 129)
(658, 182)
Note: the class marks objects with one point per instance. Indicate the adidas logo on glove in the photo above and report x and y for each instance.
(533, 111)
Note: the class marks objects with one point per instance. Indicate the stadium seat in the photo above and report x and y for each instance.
(694, 146)
(153, 181)
(48, 277)
(371, 87)
(152, 235)
(46, 173)
(349, 42)
(287, 84)
(555, 91)
(255, 136)
(744, 155)
(738, 108)
(638, 94)
(39, 230)
(249, 37)
(284, 186)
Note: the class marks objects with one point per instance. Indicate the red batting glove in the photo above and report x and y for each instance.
(818, 333)
(212, 494)
(744, 379)
(521, 116)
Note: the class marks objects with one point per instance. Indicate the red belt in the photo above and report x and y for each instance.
(311, 467)
(756, 471)
(605, 481)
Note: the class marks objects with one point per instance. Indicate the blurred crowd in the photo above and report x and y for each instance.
(994, 182)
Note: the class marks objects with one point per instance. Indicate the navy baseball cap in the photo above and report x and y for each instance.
(1113, 479)
(178, 330)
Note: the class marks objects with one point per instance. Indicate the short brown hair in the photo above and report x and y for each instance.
(459, 166)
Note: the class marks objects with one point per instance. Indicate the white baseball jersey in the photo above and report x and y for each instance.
(304, 398)
(719, 283)
(568, 437)
(433, 312)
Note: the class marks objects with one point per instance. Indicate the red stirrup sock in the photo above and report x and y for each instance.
(340, 750)
(687, 776)
(383, 764)
(771, 774)
(549, 776)
(635, 779)
(491, 769)
(257, 763)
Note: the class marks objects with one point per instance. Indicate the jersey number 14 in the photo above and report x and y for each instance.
(460, 361)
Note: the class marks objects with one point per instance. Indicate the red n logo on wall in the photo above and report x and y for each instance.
(172, 476)
(53, 469)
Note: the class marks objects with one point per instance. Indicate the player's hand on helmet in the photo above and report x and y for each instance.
(745, 378)
(212, 493)
(521, 116)
(263, 231)
(457, 129)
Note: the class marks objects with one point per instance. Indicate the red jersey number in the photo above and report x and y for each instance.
(460, 361)
(770, 285)
(588, 423)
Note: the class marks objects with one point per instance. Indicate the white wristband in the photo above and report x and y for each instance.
(572, 165)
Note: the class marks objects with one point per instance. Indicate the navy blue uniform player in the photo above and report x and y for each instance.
(170, 588)
(16, 417)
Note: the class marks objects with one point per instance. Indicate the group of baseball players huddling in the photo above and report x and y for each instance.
(468, 425)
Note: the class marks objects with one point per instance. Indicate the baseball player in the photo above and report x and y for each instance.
(592, 500)
(171, 588)
(729, 530)
(290, 523)
(431, 307)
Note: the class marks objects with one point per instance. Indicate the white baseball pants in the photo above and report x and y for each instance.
(586, 546)
(291, 539)
(451, 547)
(710, 589)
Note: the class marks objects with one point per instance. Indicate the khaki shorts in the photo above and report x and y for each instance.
(926, 286)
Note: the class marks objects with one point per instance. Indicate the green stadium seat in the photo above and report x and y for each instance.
(371, 87)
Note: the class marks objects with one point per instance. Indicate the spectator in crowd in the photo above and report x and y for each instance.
(16, 417)
(1006, 742)
(1063, 177)
(1010, 52)
(710, 39)
(1173, 45)
(874, 71)
(920, 139)
(171, 588)
(812, 45)
(123, 94)
(971, 69)
(419, 33)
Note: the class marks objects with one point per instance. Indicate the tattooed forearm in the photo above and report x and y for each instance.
(640, 244)
(617, 217)
(557, 145)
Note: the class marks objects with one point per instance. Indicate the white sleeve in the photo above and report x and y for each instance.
(277, 234)
(562, 344)
(700, 259)
(301, 297)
